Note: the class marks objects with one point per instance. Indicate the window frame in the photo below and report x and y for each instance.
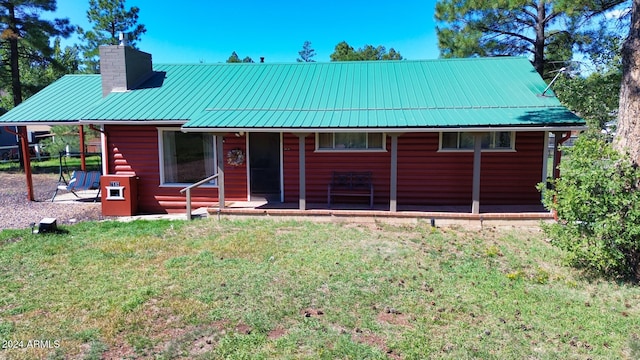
(511, 148)
(163, 183)
(383, 148)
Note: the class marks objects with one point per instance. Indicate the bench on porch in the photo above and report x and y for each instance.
(350, 184)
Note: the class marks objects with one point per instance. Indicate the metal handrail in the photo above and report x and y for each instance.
(193, 186)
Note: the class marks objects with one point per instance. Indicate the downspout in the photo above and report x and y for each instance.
(26, 158)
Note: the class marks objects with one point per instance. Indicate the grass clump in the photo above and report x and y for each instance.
(269, 289)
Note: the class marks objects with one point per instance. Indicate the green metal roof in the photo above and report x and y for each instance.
(386, 118)
(477, 92)
(66, 100)
(382, 94)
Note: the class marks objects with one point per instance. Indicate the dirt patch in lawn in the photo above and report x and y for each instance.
(378, 342)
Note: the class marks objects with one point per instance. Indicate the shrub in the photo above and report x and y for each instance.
(597, 201)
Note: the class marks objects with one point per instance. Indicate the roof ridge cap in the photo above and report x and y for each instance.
(483, 58)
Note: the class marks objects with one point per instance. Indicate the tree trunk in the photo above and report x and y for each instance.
(538, 47)
(16, 86)
(628, 132)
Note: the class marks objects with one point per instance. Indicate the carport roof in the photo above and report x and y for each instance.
(64, 101)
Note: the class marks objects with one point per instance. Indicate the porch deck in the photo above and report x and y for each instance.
(498, 215)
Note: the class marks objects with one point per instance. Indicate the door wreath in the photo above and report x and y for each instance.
(235, 157)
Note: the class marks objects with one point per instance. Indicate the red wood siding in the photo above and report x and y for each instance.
(320, 166)
(291, 168)
(511, 178)
(429, 177)
(425, 176)
(133, 150)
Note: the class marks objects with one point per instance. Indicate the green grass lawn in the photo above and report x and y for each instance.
(261, 289)
(53, 165)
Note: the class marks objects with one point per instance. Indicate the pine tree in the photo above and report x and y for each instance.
(346, 52)
(109, 19)
(234, 58)
(549, 30)
(628, 132)
(26, 36)
(307, 53)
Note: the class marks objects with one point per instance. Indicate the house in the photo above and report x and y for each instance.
(456, 132)
(9, 141)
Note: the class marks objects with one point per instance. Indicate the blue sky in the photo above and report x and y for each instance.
(190, 31)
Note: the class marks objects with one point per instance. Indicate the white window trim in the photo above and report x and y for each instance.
(118, 195)
(511, 149)
(164, 184)
(380, 150)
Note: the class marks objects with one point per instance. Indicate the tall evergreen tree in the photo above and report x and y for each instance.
(109, 19)
(234, 58)
(345, 52)
(628, 132)
(307, 53)
(26, 36)
(36, 72)
(549, 30)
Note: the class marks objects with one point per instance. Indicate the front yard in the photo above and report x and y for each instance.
(268, 289)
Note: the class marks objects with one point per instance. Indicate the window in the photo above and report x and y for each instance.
(186, 158)
(496, 141)
(350, 141)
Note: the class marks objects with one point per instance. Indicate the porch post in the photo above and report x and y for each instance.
(477, 151)
(302, 202)
(23, 142)
(26, 160)
(220, 156)
(393, 190)
(83, 161)
(104, 145)
(545, 157)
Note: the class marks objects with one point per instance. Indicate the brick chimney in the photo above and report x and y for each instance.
(123, 68)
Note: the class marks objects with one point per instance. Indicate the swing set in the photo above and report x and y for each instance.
(77, 180)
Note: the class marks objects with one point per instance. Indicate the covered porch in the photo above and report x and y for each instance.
(299, 179)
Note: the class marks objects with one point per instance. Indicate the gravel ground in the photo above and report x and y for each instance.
(16, 212)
